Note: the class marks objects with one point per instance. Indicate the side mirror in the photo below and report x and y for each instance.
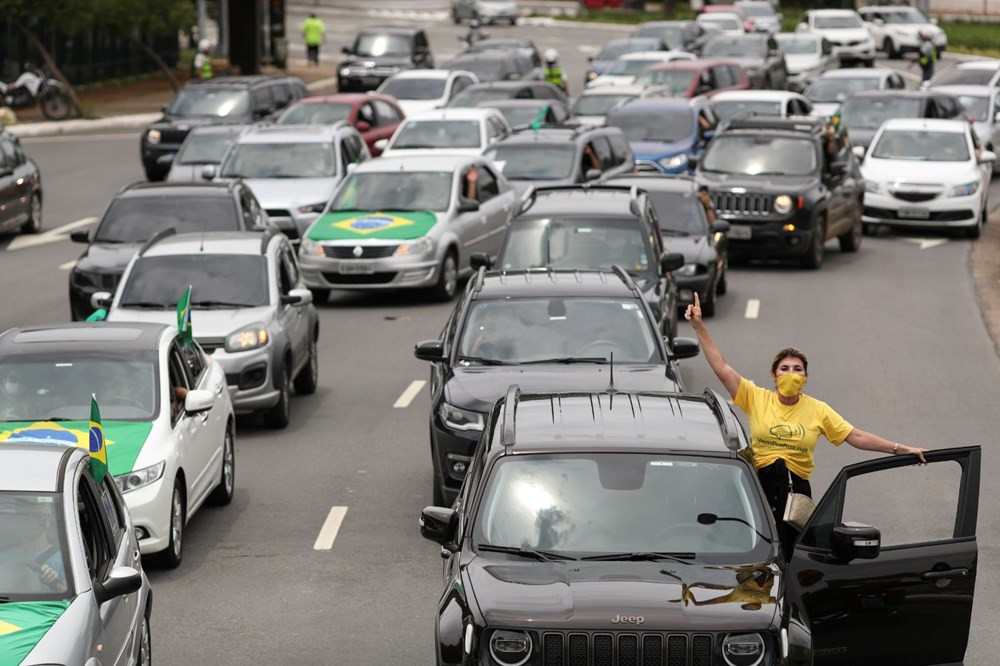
(363, 125)
(120, 581)
(838, 168)
(197, 401)
(591, 174)
(345, 50)
(439, 525)
(855, 541)
(987, 156)
(100, 299)
(720, 227)
(163, 108)
(467, 205)
(80, 236)
(297, 297)
(684, 348)
(429, 350)
(480, 260)
(858, 151)
(208, 172)
(671, 261)
(381, 144)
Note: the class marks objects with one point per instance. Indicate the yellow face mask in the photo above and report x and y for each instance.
(790, 385)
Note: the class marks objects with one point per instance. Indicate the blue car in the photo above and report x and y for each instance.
(664, 133)
(613, 48)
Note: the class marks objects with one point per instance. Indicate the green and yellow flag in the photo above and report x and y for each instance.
(98, 454)
(184, 317)
(540, 118)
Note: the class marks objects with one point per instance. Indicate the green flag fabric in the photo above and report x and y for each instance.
(98, 315)
(23, 624)
(540, 118)
(98, 454)
(358, 225)
(184, 317)
(123, 440)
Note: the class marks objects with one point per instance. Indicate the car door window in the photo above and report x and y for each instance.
(262, 101)
(290, 265)
(492, 130)
(194, 360)
(385, 114)
(366, 113)
(459, 84)
(112, 510)
(619, 149)
(285, 280)
(721, 77)
(281, 94)
(247, 210)
(348, 153)
(179, 383)
(97, 540)
(487, 187)
(603, 151)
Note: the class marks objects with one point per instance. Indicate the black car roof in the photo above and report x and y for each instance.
(655, 182)
(578, 201)
(190, 189)
(800, 124)
(542, 283)
(81, 337)
(238, 81)
(398, 29)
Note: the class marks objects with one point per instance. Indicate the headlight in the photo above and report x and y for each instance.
(782, 204)
(510, 648)
(674, 162)
(345, 71)
(312, 208)
(687, 270)
(309, 246)
(418, 246)
(743, 649)
(140, 477)
(153, 137)
(872, 187)
(591, 76)
(460, 419)
(964, 190)
(247, 338)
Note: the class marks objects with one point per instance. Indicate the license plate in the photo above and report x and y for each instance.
(914, 213)
(740, 231)
(357, 268)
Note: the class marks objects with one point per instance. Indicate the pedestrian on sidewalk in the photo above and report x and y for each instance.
(927, 56)
(203, 61)
(314, 33)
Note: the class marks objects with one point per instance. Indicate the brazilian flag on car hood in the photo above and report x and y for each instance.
(123, 439)
(354, 225)
(22, 625)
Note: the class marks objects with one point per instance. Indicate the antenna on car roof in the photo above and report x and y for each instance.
(611, 385)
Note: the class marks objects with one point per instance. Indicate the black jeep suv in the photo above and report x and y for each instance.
(784, 188)
(379, 52)
(626, 528)
(225, 99)
(568, 330)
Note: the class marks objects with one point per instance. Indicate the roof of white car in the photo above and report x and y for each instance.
(426, 161)
(936, 124)
(755, 95)
(457, 113)
(858, 72)
(986, 63)
(289, 134)
(665, 56)
(208, 242)
(886, 8)
(620, 91)
(442, 74)
(974, 91)
(832, 12)
(719, 15)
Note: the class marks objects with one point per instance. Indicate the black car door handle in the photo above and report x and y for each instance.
(945, 575)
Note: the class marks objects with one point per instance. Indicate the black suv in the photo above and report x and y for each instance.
(594, 227)
(559, 330)
(496, 66)
(628, 528)
(379, 52)
(782, 193)
(562, 156)
(679, 35)
(225, 99)
(138, 212)
(864, 112)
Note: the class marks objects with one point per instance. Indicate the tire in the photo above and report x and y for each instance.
(813, 258)
(55, 105)
(320, 296)
(278, 416)
(172, 556)
(307, 380)
(850, 241)
(145, 642)
(976, 230)
(869, 228)
(34, 223)
(223, 493)
(890, 49)
(708, 303)
(870, 63)
(447, 284)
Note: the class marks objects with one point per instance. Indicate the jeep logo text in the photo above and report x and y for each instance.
(628, 619)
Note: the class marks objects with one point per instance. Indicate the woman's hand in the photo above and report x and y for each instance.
(912, 450)
(693, 312)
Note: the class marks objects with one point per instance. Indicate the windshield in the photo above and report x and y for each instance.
(965, 76)
(534, 162)
(409, 190)
(583, 244)
(870, 113)
(679, 212)
(579, 504)
(375, 44)
(414, 89)
(760, 155)
(798, 45)
(522, 116)
(758, 10)
(485, 68)
(839, 89)
(903, 17)
(34, 559)
(202, 101)
(724, 22)
(314, 114)
(631, 66)
(839, 22)
(136, 219)
(474, 96)
(60, 386)
(597, 105)
(223, 281)
(530, 330)
(614, 50)
(280, 160)
(922, 145)
(678, 81)
(735, 46)
(975, 106)
(664, 126)
(205, 147)
(673, 36)
(728, 109)
(416, 134)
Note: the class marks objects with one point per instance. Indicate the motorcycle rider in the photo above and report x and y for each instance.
(475, 34)
(203, 61)
(553, 72)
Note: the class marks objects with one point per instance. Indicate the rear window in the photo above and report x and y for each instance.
(965, 76)
(137, 219)
(221, 281)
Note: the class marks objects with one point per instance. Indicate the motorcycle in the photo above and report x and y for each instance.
(35, 86)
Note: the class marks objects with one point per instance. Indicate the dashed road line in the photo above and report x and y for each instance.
(753, 308)
(404, 400)
(50, 236)
(331, 526)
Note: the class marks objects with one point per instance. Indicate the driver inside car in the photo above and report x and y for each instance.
(28, 542)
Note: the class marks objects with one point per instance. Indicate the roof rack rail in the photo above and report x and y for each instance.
(509, 405)
(155, 238)
(728, 423)
(627, 279)
(265, 239)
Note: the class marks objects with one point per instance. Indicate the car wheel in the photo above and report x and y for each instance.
(223, 493)
(34, 223)
(976, 230)
(308, 378)
(278, 416)
(851, 240)
(320, 296)
(870, 63)
(813, 258)
(171, 557)
(447, 283)
(145, 643)
(890, 49)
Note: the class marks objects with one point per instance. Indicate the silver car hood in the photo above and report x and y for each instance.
(800, 62)
(290, 192)
(205, 323)
(70, 639)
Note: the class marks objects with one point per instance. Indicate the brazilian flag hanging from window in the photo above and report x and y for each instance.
(184, 317)
(98, 454)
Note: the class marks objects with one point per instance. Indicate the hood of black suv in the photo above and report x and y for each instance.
(774, 184)
(107, 257)
(378, 61)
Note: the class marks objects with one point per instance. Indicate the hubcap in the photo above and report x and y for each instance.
(177, 522)
(228, 464)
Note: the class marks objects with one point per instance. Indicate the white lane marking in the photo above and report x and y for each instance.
(587, 49)
(330, 528)
(68, 265)
(85, 137)
(409, 394)
(50, 236)
(753, 308)
(925, 243)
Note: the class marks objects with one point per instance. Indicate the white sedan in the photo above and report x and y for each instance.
(627, 67)
(458, 131)
(779, 103)
(928, 173)
(418, 90)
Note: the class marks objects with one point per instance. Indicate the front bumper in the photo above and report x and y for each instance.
(768, 236)
(448, 447)
(405, 272)
(855, 52)
(291, 222)
(942, 211)
(250, 376)
(149, 507)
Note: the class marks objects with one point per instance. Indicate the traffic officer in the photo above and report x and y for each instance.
(203, 61)
(553, 72)
(927, 56)
(314, 33)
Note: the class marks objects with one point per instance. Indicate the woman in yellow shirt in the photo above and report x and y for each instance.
(785, 424)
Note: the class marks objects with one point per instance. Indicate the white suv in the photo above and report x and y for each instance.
(896, 30)
(845, 31)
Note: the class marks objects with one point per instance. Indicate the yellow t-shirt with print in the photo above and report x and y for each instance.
(788, 431)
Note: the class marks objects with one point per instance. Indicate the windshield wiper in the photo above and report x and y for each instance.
(711, 519)
(673, 232)
(543, 555)
(568, 360)
(146, 305)
(640, 556)
(482, 361)
(219, 304)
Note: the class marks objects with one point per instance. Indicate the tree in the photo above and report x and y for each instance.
(141, 20)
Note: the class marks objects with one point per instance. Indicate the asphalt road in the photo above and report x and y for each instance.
(894, 335)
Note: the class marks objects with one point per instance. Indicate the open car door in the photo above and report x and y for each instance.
(885, 570)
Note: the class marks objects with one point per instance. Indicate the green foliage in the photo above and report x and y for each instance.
(148, 18)
(71, 17)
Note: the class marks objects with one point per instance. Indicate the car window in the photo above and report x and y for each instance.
(281, 94)
(460, 83)
(34, 559)
(97, 541)
(487, 187)
(291, 264)
(246, 210)
(285, 281)
(194, 359)
(179, 383)
(603, 151)
(349, 153)
(112, 510)
(366, 113)
(385, 114)
(421, 40)
(619, 148)
(722, 77)
(262, 100)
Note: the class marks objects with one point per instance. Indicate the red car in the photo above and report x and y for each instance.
(375, 116)
(731, 9)
(690, 78)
